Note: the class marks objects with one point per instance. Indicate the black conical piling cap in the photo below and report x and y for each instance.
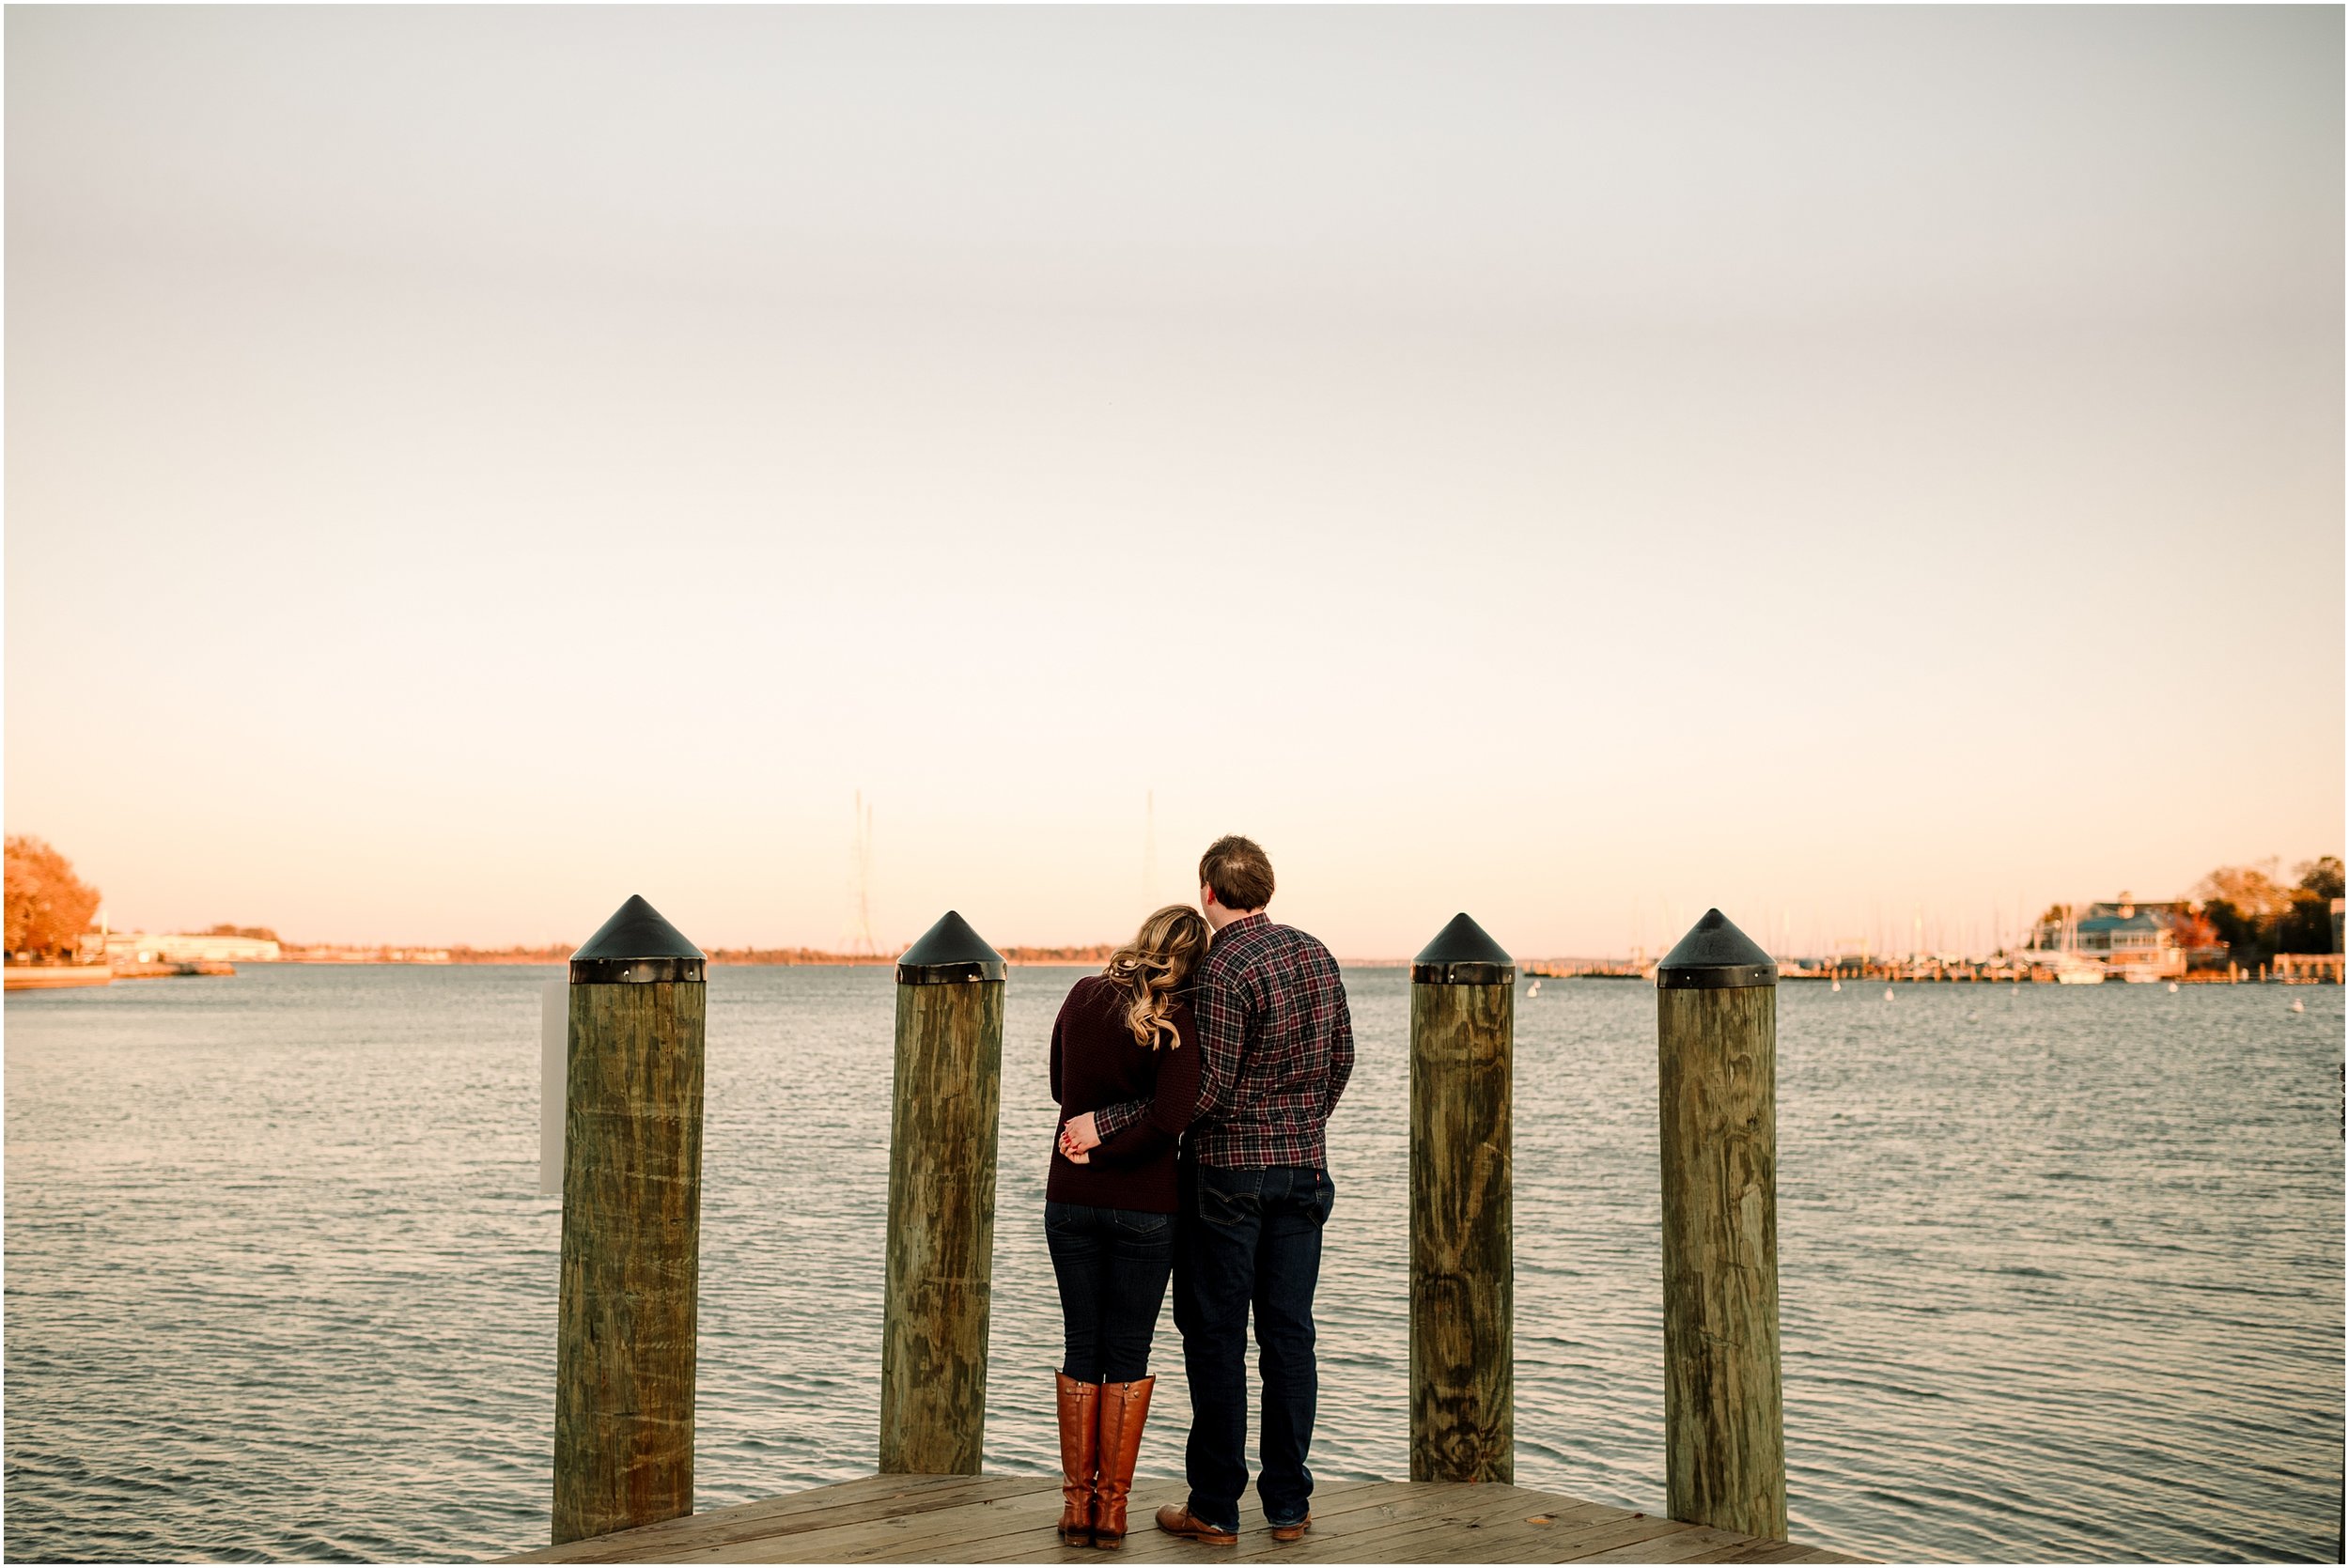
(1463, 954)
(1715, 956)
(949, 952)
(637, 947)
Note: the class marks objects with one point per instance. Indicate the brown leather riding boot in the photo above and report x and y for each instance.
(1123, 1407)
(1079, 1462)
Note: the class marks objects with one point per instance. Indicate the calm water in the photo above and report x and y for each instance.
(2061, 1270)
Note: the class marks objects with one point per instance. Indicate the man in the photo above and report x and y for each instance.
(1275, 1044)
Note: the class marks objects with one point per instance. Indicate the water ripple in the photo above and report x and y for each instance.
(2063, 1280)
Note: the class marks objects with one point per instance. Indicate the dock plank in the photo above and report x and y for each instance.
(1786, 1551)
(1013, 1536)
(1028, 1515)
(1515, 1536)
(1580, 1542)
(1694, 1544)
(1146, 1542)
(999, 1518)
(693, 1535)
(1439, 1522)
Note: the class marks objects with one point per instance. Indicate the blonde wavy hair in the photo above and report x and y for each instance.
(1154, 966)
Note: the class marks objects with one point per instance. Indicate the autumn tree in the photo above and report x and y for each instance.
(48, 907)
(2252, 890)
(2258, 915)
(2190, 930)
(2308, 925)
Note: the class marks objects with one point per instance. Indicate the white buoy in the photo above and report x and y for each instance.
(1834, 984)
(1888, 993)
(2173, 988)
(1535, 991)
(2295, 1005)
(1974, 1016)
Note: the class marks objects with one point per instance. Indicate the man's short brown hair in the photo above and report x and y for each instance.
(1239, 872)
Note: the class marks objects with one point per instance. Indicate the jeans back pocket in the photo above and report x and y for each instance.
(1230, 1198)
(1147, 1226)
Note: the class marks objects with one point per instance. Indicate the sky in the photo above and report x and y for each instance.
(1861, 467)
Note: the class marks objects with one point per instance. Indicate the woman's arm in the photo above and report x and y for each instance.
(1173, 1099)
(1109, 1123)
(1075, 1157)
(1055, 1068)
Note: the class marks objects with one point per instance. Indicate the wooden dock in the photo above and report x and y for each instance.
(631, 1180)
(1003, 1518)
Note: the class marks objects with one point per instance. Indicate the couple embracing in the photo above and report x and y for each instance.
(1194, 1077)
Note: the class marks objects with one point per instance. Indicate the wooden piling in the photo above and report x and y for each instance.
(942, 1203)
(1463, 1383)
(632, 1228)
(1717, 1034)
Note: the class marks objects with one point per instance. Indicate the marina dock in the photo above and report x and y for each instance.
(54, 977)
(999, 1518)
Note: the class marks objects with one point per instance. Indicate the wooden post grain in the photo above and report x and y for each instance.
(1717, 1034)
(632, 1228)
(942, 1203)
(1463, 1350)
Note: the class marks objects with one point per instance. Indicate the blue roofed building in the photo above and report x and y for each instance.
(2135, 941)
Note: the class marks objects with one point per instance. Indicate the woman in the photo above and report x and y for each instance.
(1109, 1214)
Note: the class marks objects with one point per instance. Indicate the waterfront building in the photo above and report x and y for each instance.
(2133, 940)
(329, 953)
(147, 947)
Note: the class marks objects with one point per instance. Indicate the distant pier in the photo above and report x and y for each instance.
(60, 977)
(2024, 968)
(55, 977)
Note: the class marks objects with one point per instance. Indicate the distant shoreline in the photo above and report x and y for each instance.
(734, 959)
(786, 958)
(739, 956)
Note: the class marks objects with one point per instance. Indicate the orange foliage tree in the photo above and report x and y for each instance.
(2253, 892)
(48, 907)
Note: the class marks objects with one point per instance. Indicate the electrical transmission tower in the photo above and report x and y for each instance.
(860, 933)
(1149, 849)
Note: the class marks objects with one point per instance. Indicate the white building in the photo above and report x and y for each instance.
(142, 947)
(2135, 941)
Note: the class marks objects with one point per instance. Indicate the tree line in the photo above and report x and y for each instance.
(2249, 909)
(2258, 915)
(2252, 912)
(48, 907)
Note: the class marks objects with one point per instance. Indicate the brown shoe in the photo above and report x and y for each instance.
(1080, 1463)
(1175, 1519)
(1123, 1407)
(1293, 1532)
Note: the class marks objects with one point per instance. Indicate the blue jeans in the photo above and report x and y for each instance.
(1251, 1239)
(1112, 1265)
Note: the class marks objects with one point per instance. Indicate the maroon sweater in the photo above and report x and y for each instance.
(1096, 1062)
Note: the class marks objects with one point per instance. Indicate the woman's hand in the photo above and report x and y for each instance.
(1078, 1138)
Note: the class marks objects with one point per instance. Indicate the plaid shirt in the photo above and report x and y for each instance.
(1275, 1044)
